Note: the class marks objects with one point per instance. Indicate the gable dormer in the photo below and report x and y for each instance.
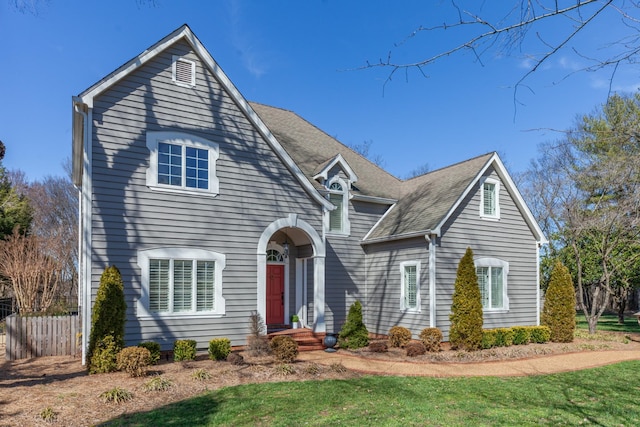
(337, 177)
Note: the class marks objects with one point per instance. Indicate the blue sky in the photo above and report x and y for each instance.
(303, 56)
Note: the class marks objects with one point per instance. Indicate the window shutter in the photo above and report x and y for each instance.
(182, 285)
(205, 277)
(159, 285)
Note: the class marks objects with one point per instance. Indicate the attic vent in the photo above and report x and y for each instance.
(184, 72)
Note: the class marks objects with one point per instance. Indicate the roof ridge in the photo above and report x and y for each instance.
(490, 153)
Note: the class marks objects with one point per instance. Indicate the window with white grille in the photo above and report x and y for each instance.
(490, 198)
(410, 286)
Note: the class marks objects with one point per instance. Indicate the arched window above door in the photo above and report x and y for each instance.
(273, 255)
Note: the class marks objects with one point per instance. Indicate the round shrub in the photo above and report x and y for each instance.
(104, 357)
(504, 337)
(284, 349)
(219, 348)
(399, 336)
(134, 360)
(354, 333)
(431, 338)
(466, 311)
(415, 348)
(559, 312)
(184, 350)
(154, 350)
(378, 347)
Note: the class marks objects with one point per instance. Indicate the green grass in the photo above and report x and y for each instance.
(603, 396)
(609, 322)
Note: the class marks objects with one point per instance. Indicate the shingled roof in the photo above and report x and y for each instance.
(422, 202)
(312, 149)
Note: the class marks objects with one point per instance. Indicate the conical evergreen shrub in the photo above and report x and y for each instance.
(109, 311)
(559, 312)
(466, 310)
(354, 333)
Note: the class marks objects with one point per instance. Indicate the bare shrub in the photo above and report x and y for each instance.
(378, 347)
(415, 348)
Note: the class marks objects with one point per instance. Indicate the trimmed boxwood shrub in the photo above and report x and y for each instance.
(521, 335)
(284, 349)
(399, 336)
(184, 350)
(488, 338)
(431, 338)
(466, 310)
(219, 348)
(559, 312)
(154, 350)
(134, 360)
(540, 334)
(354, 333)
(504, 337)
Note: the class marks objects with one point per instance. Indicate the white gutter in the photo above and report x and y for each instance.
(432, 239)
(374, 199)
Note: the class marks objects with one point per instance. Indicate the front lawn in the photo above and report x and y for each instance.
(609, 322)
(604, 396)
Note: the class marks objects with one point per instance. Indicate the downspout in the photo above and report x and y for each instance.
(84, 275)
(538, 293)
(432, 239)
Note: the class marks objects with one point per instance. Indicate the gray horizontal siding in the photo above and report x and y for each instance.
(384, 281)
(345, 264)
(255, 190)
(508, 239)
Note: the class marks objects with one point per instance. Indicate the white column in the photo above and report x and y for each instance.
(262, 286)
(318, 295)
(432, 280)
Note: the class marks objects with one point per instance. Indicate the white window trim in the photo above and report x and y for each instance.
(418, 308)
(495, 262)
(174, 76)
(346, 224)
(144, 257)
(496, 184)
(184, 140)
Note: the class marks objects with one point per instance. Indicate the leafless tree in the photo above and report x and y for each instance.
(550, 26)
(33, 274)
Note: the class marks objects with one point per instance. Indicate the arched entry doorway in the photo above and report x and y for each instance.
(291, 237)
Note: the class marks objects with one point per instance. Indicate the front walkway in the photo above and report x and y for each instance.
(532, 366)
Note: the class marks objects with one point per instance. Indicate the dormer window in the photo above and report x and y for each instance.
(338, 219)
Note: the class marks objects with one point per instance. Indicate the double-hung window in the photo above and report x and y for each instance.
(338, 219)
(181, 281)
(410, 286)
(492, 280)
(490, 198)
(182, 163)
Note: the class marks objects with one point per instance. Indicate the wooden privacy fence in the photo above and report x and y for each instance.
(35, 336)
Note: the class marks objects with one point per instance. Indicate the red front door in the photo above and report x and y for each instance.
(275, 294)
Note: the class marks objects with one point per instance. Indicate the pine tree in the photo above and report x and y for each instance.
(466, 310)
(109, 311)
(559, 312)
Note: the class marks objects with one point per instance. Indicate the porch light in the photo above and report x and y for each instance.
(285, 248)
